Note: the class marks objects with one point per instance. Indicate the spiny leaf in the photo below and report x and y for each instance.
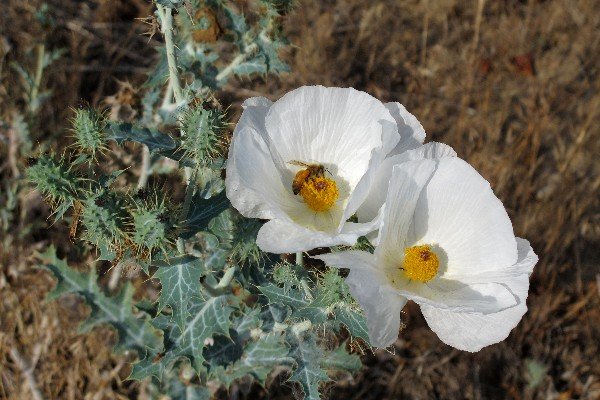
(134, 333)
(259, 359)
(157, 142)
(154, 139)
(210, 319)
(307, 372)
(180, 281)
(269, 49)
(207, 319)
(314, 310)
(254, 66)
(202, 210)
(292, 298)
(353, 320)
(341, 360)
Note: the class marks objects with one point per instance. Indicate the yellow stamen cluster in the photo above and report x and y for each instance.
(420, 263)
(319, 193)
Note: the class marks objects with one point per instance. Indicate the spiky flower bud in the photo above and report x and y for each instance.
(54, 178)
(104, 221)
(202, 128)
(152, 223)
(88, 129)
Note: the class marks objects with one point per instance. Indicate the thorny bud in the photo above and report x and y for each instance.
(88, 129)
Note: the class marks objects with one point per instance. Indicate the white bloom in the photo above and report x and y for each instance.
(346, 131)
(447, 243)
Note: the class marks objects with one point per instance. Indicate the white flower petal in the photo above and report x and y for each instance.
(484, 298)
(281, 236)
(459, 213)
(526, 261)
(410, 129)
(352, 259)
(242, 197)
(471, 331)
(253, 185)
(378, 190)
(382, 306)
(337, 127)
(255, 111)
(406, 183)
(368, 285)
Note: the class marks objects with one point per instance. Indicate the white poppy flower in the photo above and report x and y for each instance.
(447, 243)
(306, 163)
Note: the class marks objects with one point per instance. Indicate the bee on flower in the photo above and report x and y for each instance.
(446, 242)
(307, 162)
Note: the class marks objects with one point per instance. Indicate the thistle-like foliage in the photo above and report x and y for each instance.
(225, 312)
(88, 130)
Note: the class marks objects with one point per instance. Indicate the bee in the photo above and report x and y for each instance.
(310, 171)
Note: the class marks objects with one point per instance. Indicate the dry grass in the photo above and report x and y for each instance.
(513, 86)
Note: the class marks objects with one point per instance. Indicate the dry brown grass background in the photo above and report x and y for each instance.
(513, 86)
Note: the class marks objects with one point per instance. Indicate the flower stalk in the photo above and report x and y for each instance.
(166, 23)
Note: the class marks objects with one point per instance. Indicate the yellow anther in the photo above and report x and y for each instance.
(420, 263)
(319, 193)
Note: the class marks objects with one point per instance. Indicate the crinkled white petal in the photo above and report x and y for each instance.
(524, 265)
(406, 183)
(281, 236)
(378, 190)
(410, 129)
(352, 259)
(243, 198)
(381, 303)
(336, 127)
(459, 213)
(255, 111)
(473, 331)
(484, 298)
(382, 306)
(254, 187)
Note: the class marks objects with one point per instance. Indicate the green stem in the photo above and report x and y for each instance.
(145, 168)
(40, 50)
(189, 194)
(166, 22)
(226, 279)
(300, 259)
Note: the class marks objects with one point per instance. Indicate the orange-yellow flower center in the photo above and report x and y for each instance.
(420, 263)
(319, 193)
